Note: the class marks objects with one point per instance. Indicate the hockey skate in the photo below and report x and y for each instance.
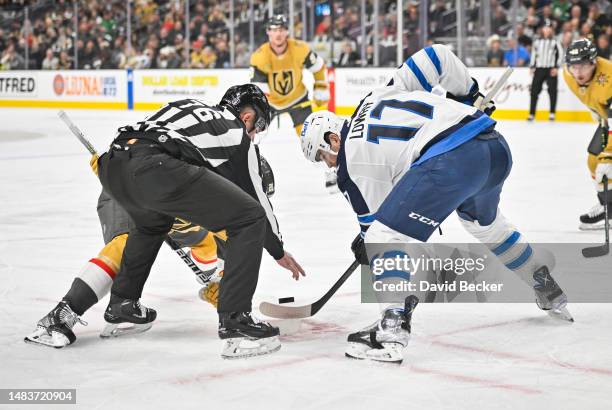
(55, 329)
(385, 340)
(593, 219)
(246, 336)
(549, 296)
(331, 181)
(125, 317)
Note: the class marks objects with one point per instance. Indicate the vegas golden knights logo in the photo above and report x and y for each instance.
(283, 81)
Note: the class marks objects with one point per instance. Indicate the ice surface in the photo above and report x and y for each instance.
(461, 356)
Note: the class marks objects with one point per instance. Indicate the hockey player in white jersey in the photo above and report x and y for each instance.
(409, 151)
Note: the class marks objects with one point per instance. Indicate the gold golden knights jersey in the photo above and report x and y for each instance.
(597, 95)
(280, 76)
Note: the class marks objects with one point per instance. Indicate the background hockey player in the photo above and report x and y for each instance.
(197, 162)
(406, 151)
(590, 79)
(276, 67)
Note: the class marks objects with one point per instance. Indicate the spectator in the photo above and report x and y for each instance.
(603, 46)
(436, 18)
(51, 62)
(518, 57)
(561, 9)
(11, 59)
(348, 57)
(65, 62)
(499, 19)
(495, 55)
(222, 54)
(209, 58)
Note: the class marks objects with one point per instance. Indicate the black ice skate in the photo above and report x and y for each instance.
(594, 219)
(549, 296)
(127, 316)
(385, 340)
(246, 336)
(55, 329)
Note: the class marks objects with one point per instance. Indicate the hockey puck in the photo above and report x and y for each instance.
(286, 300)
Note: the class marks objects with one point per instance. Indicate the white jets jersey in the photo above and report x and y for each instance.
(431, 66)
(391, 131)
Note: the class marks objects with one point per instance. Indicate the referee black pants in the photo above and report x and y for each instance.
(541, 75)
(154, 188)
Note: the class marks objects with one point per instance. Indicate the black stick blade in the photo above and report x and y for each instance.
(596, 251)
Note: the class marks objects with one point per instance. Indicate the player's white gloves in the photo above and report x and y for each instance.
(604, 166)
(320, 96)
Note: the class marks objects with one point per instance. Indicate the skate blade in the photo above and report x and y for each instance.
(124, 329)
(561, 314)
(592, 227)
(392, 353)
(242, 347)
(40, 337)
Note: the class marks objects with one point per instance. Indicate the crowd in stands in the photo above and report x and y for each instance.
(52, 38)
(570, 20)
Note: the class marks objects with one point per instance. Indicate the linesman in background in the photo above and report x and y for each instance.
(276, 68)
(546, 58)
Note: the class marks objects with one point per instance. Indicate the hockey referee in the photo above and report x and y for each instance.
(546, 58)
(197, 162)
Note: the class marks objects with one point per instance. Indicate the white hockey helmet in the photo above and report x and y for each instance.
(316, 126)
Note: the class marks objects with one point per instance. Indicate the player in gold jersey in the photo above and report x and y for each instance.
(590, 79)
(276, 67)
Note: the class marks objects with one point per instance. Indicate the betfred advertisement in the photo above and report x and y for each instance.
(154, 87)
(103, 89)
(18, 85)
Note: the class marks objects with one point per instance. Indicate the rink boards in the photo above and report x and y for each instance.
(149, 89)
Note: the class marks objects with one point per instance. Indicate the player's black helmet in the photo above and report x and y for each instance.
(239, 96)
(277, 20)
(580, 51)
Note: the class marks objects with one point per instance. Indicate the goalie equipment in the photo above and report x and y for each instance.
(315, 130)
(127, 316)
(549, 296)
(385, 340)
(55, 329)
(246, 336)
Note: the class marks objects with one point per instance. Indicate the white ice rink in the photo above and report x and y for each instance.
(504, 356)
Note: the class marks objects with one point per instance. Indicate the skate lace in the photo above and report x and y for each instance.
(596, 210)
(70, 318)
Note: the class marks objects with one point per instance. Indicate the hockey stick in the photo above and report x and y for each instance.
(495, 90)
(601, 250)
(301, 312)
(202, 276)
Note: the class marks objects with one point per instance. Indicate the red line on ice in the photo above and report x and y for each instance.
(475, 380)
(247, 370)
(528, 359)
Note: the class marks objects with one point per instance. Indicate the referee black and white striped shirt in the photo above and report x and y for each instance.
(213, 137)
(546, 53)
